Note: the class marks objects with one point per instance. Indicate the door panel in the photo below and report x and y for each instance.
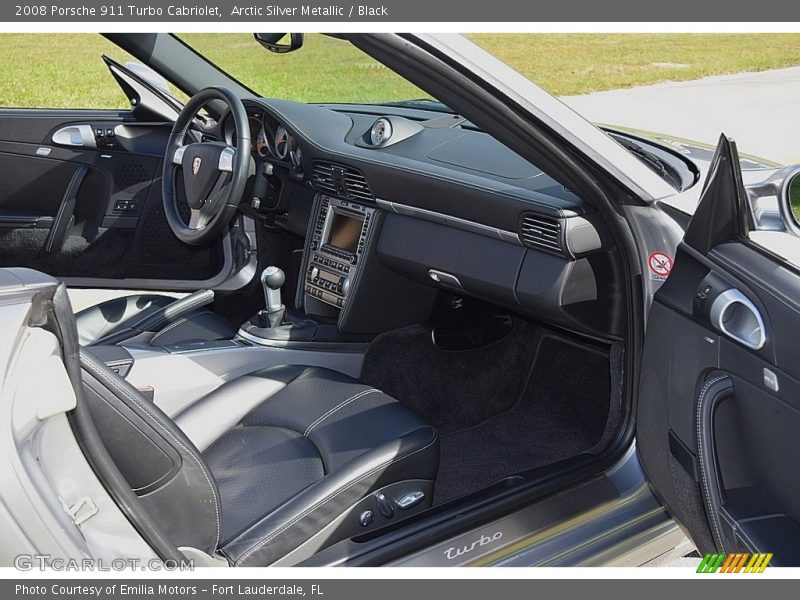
(718, 423)
(113, 225)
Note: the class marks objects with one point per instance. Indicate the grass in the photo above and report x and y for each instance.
(58, 71)
(65, 70)
(794, 198)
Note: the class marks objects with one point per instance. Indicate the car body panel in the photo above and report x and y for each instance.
(717, 398)
(590, 524)
(607, 518)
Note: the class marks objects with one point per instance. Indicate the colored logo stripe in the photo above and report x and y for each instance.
(734, 562)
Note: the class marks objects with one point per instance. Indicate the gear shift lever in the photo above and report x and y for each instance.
(272, 279)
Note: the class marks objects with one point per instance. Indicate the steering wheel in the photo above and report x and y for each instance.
(214, 174)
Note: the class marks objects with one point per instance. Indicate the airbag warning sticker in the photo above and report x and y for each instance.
(660, 265)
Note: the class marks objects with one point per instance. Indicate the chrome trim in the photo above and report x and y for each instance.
(591, 523)
(76, 136)
(784, 202)
(754, 339)
(226, 159)
(177, 158)
(258, 341)
(443, 219)
(444, 278)
(771, 380)
(387, 131)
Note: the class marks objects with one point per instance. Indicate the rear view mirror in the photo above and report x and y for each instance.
(280, 43)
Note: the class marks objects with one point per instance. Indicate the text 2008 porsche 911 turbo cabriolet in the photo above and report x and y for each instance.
(471, 329)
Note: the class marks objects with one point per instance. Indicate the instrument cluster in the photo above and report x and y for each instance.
(271, 140)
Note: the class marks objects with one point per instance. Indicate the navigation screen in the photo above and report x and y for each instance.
(345, 231)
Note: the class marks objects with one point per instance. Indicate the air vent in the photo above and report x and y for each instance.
(355, 186)
(343, 182)
(540, 232)
(322, 178)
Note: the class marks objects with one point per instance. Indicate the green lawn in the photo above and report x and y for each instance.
(64, 70)
(794, 197)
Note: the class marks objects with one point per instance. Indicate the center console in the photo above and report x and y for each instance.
(344, 295)
(335, 258)
(337, 247)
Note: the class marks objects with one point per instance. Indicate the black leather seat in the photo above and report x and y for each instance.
(272, 466)
(147, 318)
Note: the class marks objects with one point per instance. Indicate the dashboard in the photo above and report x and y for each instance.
(271, 139)
(451, 208)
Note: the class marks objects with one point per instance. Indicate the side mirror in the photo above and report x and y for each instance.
(280, 43)
(793, 199)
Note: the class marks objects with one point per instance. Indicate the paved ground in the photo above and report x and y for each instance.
(759, 110)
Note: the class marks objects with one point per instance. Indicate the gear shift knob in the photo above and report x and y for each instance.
(272, 279)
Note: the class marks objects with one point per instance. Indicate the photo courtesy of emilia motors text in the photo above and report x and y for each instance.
(398, 299)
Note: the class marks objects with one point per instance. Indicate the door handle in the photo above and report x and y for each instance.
(66, 211)
(734, 315)
(81, 136)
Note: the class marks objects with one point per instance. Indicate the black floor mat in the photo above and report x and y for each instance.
(451, 390)
(103, 257)
(562, 413)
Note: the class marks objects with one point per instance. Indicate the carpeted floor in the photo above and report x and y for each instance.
(104, 257)
(562, 413)
(451, 390)
(529, 400)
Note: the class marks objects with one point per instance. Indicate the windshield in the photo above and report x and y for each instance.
(325, 69)
(330, 70)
